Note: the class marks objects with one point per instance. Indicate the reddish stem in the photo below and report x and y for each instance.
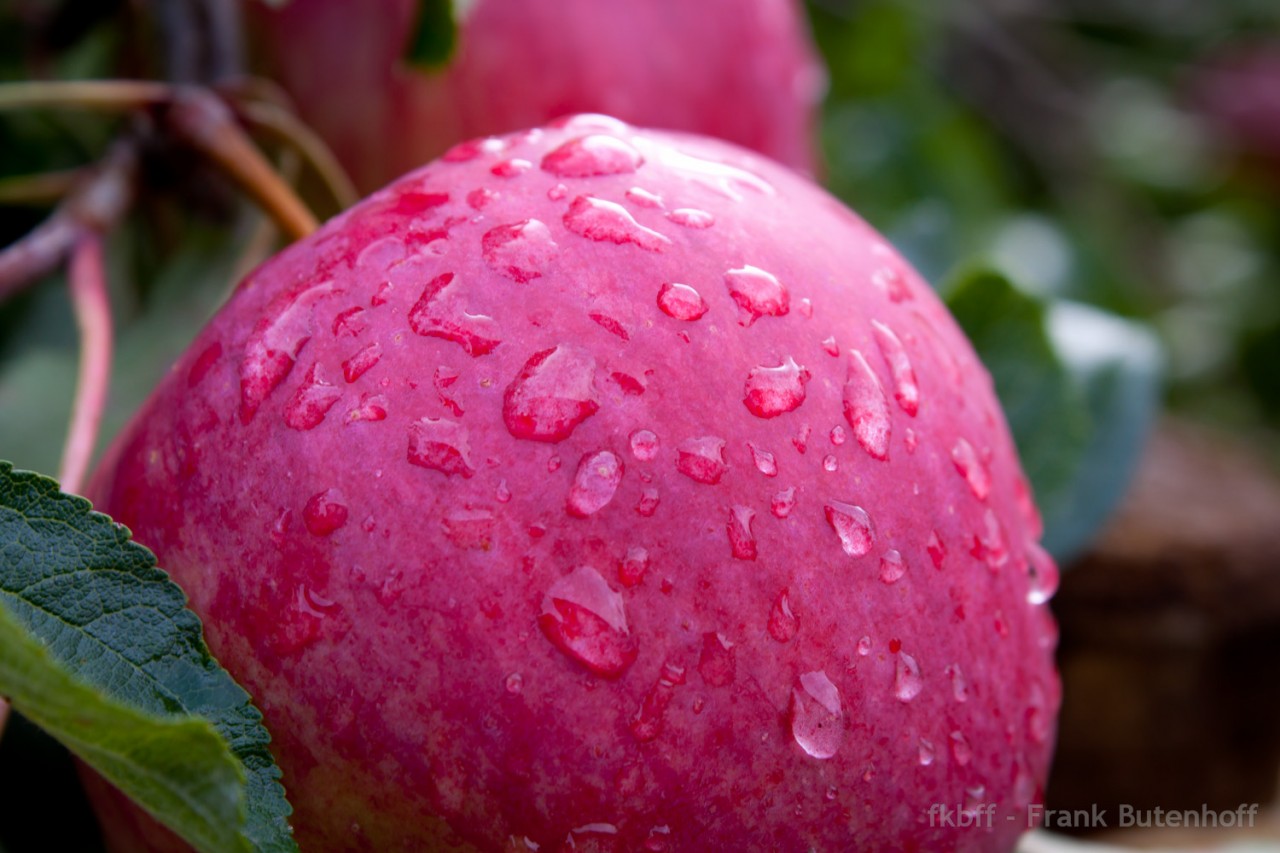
(93, 316)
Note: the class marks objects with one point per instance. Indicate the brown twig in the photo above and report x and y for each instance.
(287, 128)
(40, 189)
(115, 96)
(88, 284)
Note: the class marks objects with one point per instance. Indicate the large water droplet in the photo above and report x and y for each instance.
(586, 620)
(783, 502)
(644, 445)
(782, 622)
(692, 218)
(1042, 574)
(866, 407)
(772, 391)
(971, 468)
(892, 566)
(718, 177)
(313, 399)
(742, 541)
(757, 294)
(905, 389)
(853, 526)
(592, 156)
(817, 718)
(361, 362)
(439, 313)
(440, 445)
(717, 663)
(324, 512)
(765, 462)
(907, 682)
(608, 222)
(520, 251)
(274, 344)
(594, 484)
(633, 566)
(681, 302)
(552, 394)
(702, 459)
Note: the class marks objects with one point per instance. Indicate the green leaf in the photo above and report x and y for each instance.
(435, 34)
(108, 657)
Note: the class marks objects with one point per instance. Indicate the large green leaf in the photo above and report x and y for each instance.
(106, 655)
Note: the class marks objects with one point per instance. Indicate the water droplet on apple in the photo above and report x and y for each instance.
(502, 493)
(701, 459)
(989, 545)
(594, 484)
(830, 347)
(757, 294)
(742, 541)
(610, 325)
(853, 526)
(773, 391)
(471, 149)
(440, 445)
(863, 648)
(644, 445)
(959, 687)
(783, 502)
(512, 168)
(641, 197)
(647, 505)
(313, 399)
(324, 512)
(910, 440)
(372, 407)
(892, 282)
(817, 718)
(274, 344)
(633, 566)
(514, 683)
(721, 178)
(782, 622)
(837, 435)
(892, 566)
(830, 464)
(520, 251)
(937, 550)
(439, 313)
(926, 752)
(905, 389)
(586, 620)
(960, 749)
(681, 302)
(481, 197)
(361, 362)
(692, 218)
(717, 663)
(907, 682)
(553, 393)
(765, 462)
(470, 527)
(801, 439)
(609, 222)
(646, 724)
(866, 408)
(592, 156)
(971, 468)
(1042, 574)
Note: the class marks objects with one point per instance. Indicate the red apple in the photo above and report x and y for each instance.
(742, 70)
(599, 488)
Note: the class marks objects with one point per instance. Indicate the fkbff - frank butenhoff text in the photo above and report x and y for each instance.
(984, 816)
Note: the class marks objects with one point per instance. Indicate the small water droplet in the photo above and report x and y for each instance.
(1039, 723)
(937, 550)
(1042, 574)
(610, 325)
(701, 459)
(644, 445)
(514, 683)
(513, 168)
(313, 399)
(361, 362)
(350, 323)
(592, 156)
(830, 347)
(502, 494)
(587, 621)
(438, 313)
(837, 435)
(480, 198)
(864, 646)
(910, 439)
(648, 503)
(757, 294)
(853, 526)
(204, 363)
(372, 407)
(520, 251)
(773, 391)
(681, 302)
(553, 464)
(783, 502)
(971, 468)
(594, 484)
(905, 388)
(892, 282)
(643, 198)
(959, 687)
(989, 545)
(717, 663)
(553, 393)
(866, 408)
(782, 622)
(960, 749)
(817, 718)
(692, 218)
(765, 462)
(742, 541)
(440, 445)
(892, 566)
(609, 222)
(927, 752)
(907, 682)
(470, 527)
(632, 567)
(471, 149)
(324, 512)
(558, 192)
(830, 464)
